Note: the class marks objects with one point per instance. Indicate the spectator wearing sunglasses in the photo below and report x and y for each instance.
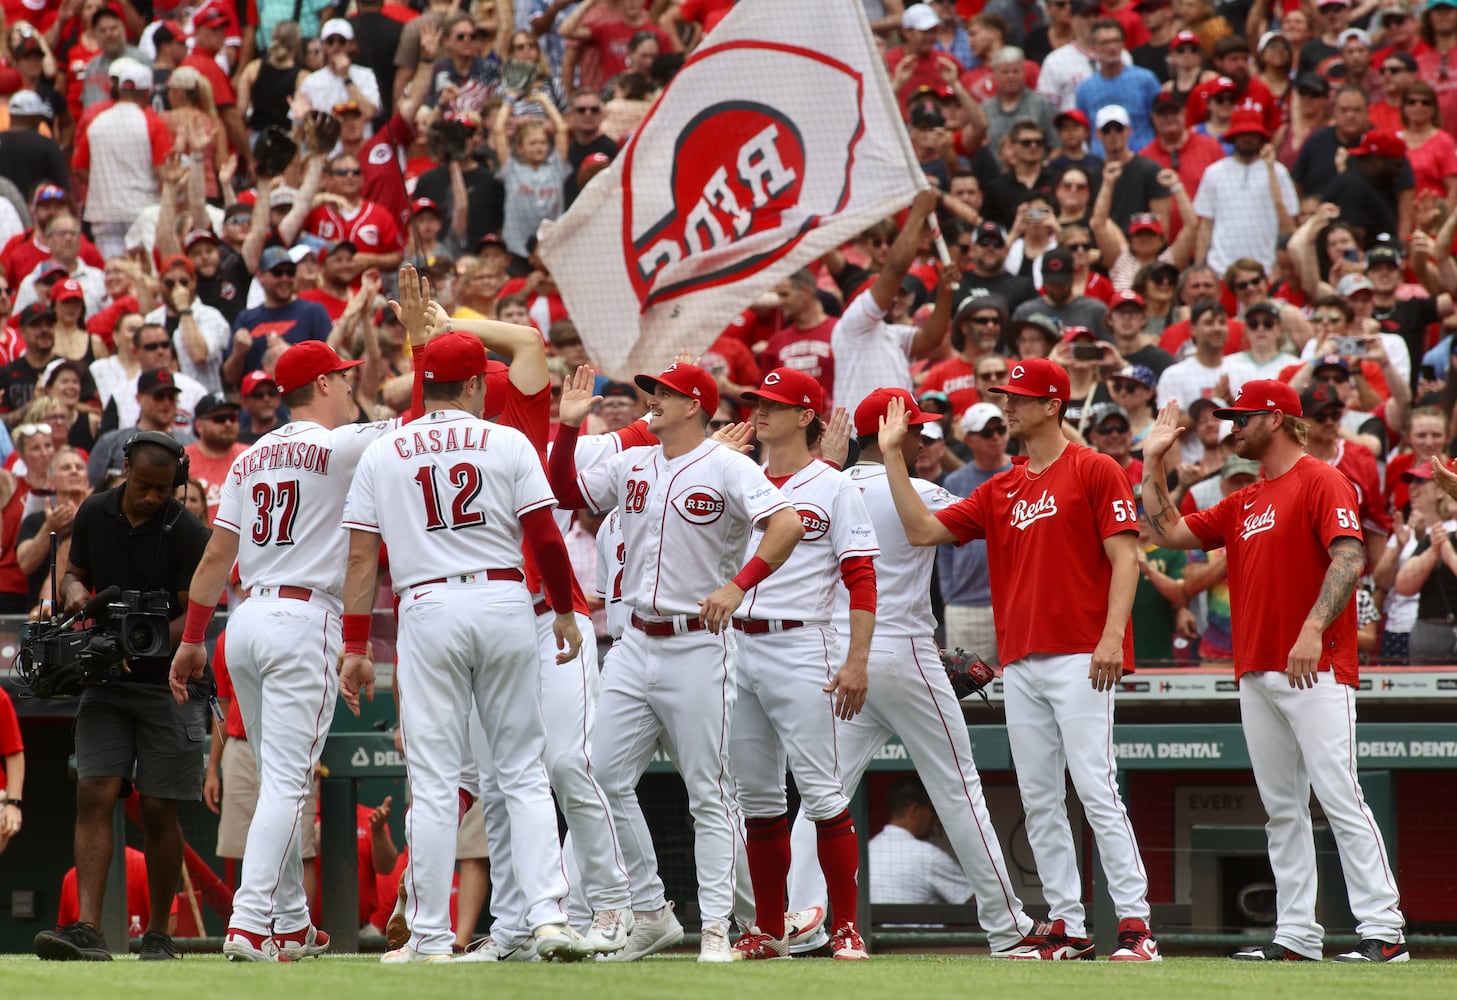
(282, 319)
(201, 333)
(262, 411)
(1263, 357)
(341, 79)
(152, 348)
(1026, 175)
(215, 422)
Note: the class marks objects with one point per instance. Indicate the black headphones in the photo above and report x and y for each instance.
(167, 442)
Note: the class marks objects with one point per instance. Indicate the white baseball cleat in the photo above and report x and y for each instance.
(847, 944)
(307, 943)
(801, 926)
(490, 950)
(714, 944)
(609, 931)
(558, 942)
(754, 944)
(405, 955)
(245, 946)
(650, 936)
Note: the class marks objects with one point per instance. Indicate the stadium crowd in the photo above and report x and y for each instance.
(1166, 198)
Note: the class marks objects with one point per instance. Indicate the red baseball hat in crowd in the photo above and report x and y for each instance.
(1072, 115)
(424, 205)
(254, 379)
(68, 289)
(791, 387)
(1037, 377)
(1247, 121)
(1071, 334)
(686, 380)
(873, 407)
(1418, 473)
(1184, 38)
(1145, 222)
(1380, 142)
(1127, 297)
(1263, 395)
(1223, 85)
(453, 357)
(306, 361)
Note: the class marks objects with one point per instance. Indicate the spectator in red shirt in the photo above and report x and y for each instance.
(804, 343)
(1232, 60)
(217, 444)
(12, 772)
(611, 34)
(975, 330)
(917, 64)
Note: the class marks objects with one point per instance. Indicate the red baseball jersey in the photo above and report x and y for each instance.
(1044, 536)
(957, 378)
(234, 724)
(1277, 535)
(1359, 466)
(10, 741)
(371, 227)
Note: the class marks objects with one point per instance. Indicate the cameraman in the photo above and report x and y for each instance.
(136, 537)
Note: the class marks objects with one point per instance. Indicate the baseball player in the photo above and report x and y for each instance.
(791, 682)
(447, 482)
(910, 696)
(1062, 521)
(688, 505)
(278, 519)
(1293, 541)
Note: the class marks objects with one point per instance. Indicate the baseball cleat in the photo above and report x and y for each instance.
(558, 942)
(78, 942)
(245, 946)
(847, 944)
(650, 936)
(1374, 950)
(1042, 931)
(1269, 953)
(1058, 948)
(307, 943)
(754, 944)
(488, 950)
(397, 928)
(800, 926)
(714, 946)
(406, 955)
(1135, 943)
(609, 930)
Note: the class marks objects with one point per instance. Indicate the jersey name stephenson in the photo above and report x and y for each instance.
(836, 527)
(446, 494)
(685, 521)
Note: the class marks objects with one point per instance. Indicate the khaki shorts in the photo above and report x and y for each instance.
(240, 796)
(470, 839)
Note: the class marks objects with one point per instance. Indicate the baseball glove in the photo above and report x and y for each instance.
(969, 674)
(318, 133)
(273, 151)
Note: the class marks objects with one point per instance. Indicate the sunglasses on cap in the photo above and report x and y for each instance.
(28, 430)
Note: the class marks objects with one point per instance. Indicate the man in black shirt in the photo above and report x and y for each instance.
(1136, 188)
(584, 121)
(222, 277)
(1407, 318)
(1005, 192)
(376, 37)
(987, 274)
(485, 195)
(1153, 55)
(18, 379)
(131, 732)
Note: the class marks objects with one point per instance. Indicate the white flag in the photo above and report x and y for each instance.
(778, 141)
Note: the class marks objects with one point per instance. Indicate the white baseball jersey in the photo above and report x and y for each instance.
(447, 482)
(609, 571)
(836, 527)
(685, 521)
(903, 570)
(283, 497)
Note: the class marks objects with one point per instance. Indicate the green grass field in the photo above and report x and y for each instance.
(914, 976)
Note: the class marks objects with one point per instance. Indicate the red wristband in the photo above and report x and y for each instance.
(754, 572)
(356, 634)
(194, 630)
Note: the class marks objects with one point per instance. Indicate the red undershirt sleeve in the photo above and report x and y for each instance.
(550, 554)
(561, 470)
(858, 573)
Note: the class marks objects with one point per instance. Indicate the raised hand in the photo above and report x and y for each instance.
(413, 306)
(739, 436)
(1163, 434)
(835, 441)
(894, 427)
(577, 399)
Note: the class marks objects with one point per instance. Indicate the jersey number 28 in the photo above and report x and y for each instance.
(466, 478)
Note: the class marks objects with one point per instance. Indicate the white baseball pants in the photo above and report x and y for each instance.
(452, 656)
(1056, 722)
(783, 716)
(1304, 739)
(910, 697)
(678, 689)
(281, 658)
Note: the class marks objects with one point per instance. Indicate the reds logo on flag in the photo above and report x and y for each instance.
(778, 141)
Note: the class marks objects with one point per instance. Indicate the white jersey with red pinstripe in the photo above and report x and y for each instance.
(836, 527)
(371, 227)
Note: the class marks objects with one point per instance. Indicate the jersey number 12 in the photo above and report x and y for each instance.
(466, 478)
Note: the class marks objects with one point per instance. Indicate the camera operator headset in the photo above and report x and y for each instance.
(136, 537)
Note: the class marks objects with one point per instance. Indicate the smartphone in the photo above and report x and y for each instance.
(1036, 214)
(1351, 347)
(1087, 352)
(1352, 255)
(1428, 373)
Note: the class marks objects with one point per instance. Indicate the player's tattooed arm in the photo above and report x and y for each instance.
(1348, 558)
(1164, 519)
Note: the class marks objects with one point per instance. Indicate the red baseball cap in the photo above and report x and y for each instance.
(254, 379)
(453, 357)
(306, 361)
(1127, 297)
(873, 407)
(1073, 333)
(424, 205)
(686, 380)
(68, 289)
(498, 376)
(1071, 115)
(1145, 222)
(791, 387)
(1380, 142)
(1223, 85)
(1184, 38)
(1263, 394)
(1247, 121)
(1037, 377)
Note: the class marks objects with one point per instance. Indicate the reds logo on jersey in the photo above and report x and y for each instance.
(738, 176)
(816, 522)
(1258, 523)
(1025, 512)
(699, 505)
(367, 236)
